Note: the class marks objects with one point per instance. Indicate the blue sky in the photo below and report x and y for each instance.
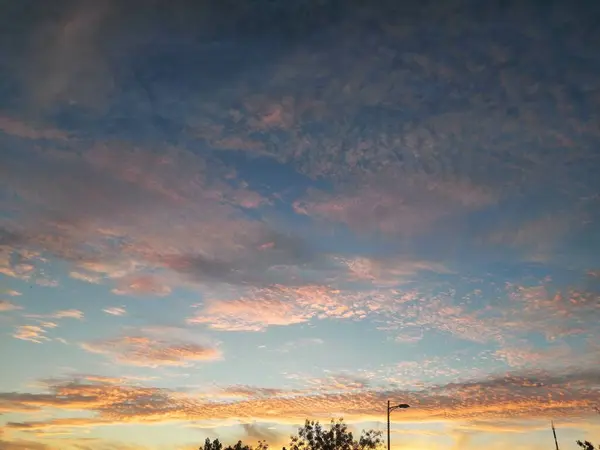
(219, 221)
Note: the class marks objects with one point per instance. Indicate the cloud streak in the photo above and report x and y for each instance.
(150, 352)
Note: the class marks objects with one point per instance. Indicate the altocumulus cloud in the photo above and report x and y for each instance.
(534, 395)
(152, 352)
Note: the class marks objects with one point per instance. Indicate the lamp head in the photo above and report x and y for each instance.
(401, 406)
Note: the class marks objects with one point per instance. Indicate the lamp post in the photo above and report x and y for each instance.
(389, 410)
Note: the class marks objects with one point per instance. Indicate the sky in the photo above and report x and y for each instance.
(219, 219)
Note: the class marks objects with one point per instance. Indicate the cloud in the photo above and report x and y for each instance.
(551, 312)
(279, 305)
(32, 333)
(142, 194)
(14, 127)
(389, 272)
(87, 277)
(263, 433)
(149, 352)
(115, 311)
(5, 306)
(242, 392)
(142, 285)
(68, 313)
(533, 395)
(300, 343)
(253, 314)
(386, 204)
(265, 260)
(538, 238)
(338, 382)
(62, 314)
(22, 444)
(37, 333)
(68, 51)
(512, 426)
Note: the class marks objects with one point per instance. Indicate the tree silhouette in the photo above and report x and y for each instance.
(239, 446)
(587, 445)
(216, 445)
(314, 437)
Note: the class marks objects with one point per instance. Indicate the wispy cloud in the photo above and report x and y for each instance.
(299, 344)
(62, 314)
(32, 333)
(149, 352)
(390, 272)
(115, 311)
(142, 285)
(15, 127)
(5, 306)
(87, 277)
(393, 205)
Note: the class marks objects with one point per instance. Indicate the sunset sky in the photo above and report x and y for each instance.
(219, 218)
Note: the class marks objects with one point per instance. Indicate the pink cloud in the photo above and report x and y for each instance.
(258, 309)
(250, 314)
(170, 203)
(151, 352)
(26, 130)
(390, 272)
(142, 285)
(396, 205)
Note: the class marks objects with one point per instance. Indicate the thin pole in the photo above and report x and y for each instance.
(554, 433)
(388, 425)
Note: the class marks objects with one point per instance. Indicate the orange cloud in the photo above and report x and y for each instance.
(533, 396)
(5, 306)
(149, 352)
(32, 333)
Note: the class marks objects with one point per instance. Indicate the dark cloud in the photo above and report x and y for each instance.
(263, 262)
(22, 444)
(11, 238)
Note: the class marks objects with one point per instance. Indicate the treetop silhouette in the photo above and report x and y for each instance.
(313, 436)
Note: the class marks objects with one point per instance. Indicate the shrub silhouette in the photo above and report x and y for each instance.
(313, 436)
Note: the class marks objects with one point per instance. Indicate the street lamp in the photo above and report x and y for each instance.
(390, 408)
